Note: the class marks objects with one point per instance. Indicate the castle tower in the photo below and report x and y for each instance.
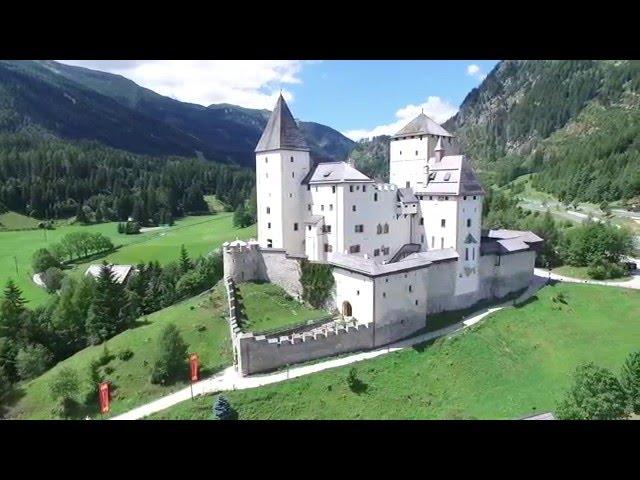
(410, 150)
(282, 162)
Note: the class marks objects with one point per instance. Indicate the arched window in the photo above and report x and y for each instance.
(346, 309)
(386, 228)
(379, 229)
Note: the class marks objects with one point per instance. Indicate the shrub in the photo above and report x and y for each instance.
(222, 409)
(602, 270)
(33, 360)
(630, 380)
(596, 394)
(171, 362)
(125, 354)
(64, 390)
(52, 279)
(43, 259)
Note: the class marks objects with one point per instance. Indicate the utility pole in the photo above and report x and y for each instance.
(15, 260)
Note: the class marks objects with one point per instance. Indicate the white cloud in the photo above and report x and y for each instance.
(473, 70)
(248, 83)
(436, 108)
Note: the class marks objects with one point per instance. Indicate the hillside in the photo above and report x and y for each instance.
(78, 103)
(575, 122)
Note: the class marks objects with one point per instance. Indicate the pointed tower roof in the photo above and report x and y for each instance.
(439, 147)
(422, 125)
(281, 131)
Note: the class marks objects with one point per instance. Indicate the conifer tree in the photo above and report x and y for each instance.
(12, 310)
(185, 262)
(103, 320)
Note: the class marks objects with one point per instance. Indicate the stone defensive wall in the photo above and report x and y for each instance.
(262, 353)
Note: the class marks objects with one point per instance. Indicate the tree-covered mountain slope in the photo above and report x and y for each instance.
(78, 103)
(574, 122)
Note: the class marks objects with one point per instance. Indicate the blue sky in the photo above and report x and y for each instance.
(357, 97)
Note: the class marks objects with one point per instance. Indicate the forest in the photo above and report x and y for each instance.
(48, 178)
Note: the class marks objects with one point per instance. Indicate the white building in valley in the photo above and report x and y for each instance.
(400, 251)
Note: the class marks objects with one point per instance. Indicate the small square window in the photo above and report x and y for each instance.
(353, 208)
(357, 292)
(291, 159)
(376, 252)
(295, 227)
(364, 188)
(333, 189)
(268, 209)
(351, 188)
(443, 222)
(474, 197)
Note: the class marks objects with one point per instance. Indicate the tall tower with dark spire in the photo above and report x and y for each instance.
(282, 162)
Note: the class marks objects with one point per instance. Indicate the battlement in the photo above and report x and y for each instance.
(240, 246)
(385, 186)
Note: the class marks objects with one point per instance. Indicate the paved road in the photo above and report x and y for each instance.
(633, 282)
(229, 379)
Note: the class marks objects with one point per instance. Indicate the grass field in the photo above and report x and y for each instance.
(215, 205)
(202, 322)
(516, 362)
(16, 221)
(199, 234)
(581, 272)
(268, 306)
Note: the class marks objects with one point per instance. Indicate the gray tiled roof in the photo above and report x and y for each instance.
(422, 125)
(370, 268)
(281, 131)
(406, 195)
(335, 172)
(508, 241)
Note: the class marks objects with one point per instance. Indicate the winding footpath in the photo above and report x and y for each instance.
(230, 379)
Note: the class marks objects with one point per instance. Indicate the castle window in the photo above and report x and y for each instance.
(433, 239)
(386, 228)
(308, 187)
(295, 227)
(354, 249)
(309, 207)
(473, 253)
(497, 264)
(379, 229)
(309, 228)
(400, 152)
(353, 208)
(322, 208)
(385, 251)
(468, 222)
(464, 198)
(443, 222)
(357, 292)
(432, 176)
(269, 243)
(333, 189)
(364, 188)
(359, 228)
(328, 248)
(351, 188)
(466, 253)
(269, 225)
(446, 198)
(408, 184)
(430, 197)
(326, 229)
(441, 242)
(416, 302)
(375, 197)
(268, 209)
(416, 153)
(266, 159)
(474, 197)
(331, 207)
(316, 189)
(358, 187)
(421, 220)
(293, 174)
(291, 159)
(447, 176)
(266, 175)
(421, 238)
(384, 295)
(386, 280)
(376, 252)
(291, 195)
(410, 287)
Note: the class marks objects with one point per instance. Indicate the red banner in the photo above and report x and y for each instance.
(193, 366)
(104, 397)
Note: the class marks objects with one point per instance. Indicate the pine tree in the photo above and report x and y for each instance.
(171, 362)
(630, 381)
(185, 262)
(12, 310)
(103, 320)
(222, 409)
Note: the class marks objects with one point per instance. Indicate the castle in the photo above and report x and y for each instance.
(399, 251)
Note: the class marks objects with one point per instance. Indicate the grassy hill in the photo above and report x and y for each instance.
(203, 325)
(199, 234)
(17, 221)
(516, 362)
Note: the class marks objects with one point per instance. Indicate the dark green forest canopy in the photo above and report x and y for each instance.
(51, 178)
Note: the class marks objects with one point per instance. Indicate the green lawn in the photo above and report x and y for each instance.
(514, 363)
(200, 235)
(215, 204)
(202, 322)
(16, 221)
(268, 306)
(581, 273)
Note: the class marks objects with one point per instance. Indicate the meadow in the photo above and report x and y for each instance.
(517, 362)
(199, 234)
